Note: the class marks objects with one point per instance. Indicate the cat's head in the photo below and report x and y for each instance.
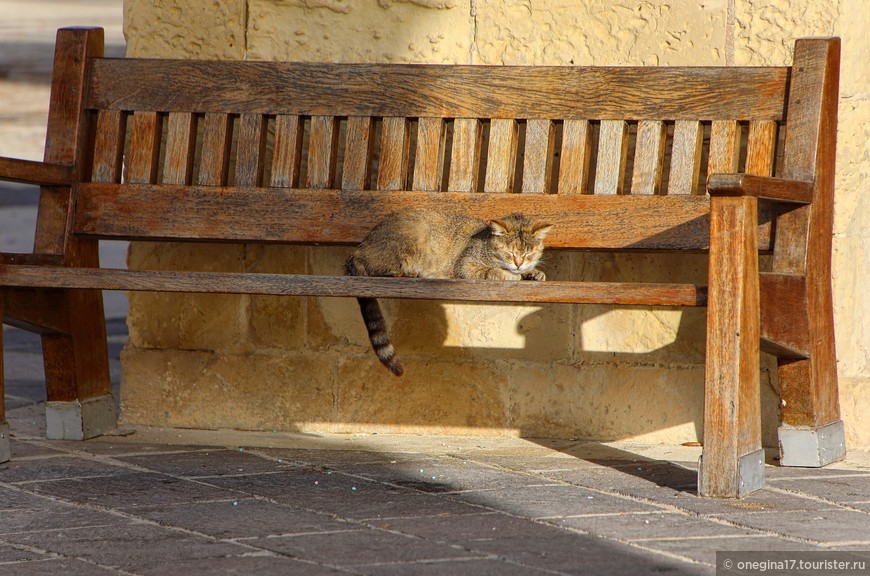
(517, 242)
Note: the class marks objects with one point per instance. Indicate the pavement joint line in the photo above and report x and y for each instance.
(819, 477)
(51, 555)
(608, 514)
(834, 503)
(680, 538)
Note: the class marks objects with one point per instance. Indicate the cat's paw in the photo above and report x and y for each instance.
(537, 275)
(501, 274)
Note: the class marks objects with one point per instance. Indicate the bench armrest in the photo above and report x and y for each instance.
(763, 187)
(32, 172)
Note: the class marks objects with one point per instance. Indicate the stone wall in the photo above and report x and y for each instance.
(570, 371)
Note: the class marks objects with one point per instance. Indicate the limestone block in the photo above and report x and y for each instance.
(214, 29)
(765, 30)
(852, 192)
(852, 27)
(851, 261)
(600, 32)
(854, 404)
(277, 321)
(187, 321)
(187, 389)
(433, 31)
(435, 395)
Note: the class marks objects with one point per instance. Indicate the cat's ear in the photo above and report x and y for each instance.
(497, 228)
(541, 230)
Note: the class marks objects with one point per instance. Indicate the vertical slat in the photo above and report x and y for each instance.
(429, 157)
(251, 149)
(538, 158)
(180, 148)
(357, 168)
(287, 151)
(761, 148)
(732, 413)
(144, 148)
(724, 147)
(575, 156)
(465, 156)
(322, 152)
(649, 157)
(215, 161)
(501, 161)
(686, 157)
(395, 146)
(109, 146)
(612, 153)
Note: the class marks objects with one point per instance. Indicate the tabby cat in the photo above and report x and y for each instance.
(419, 243)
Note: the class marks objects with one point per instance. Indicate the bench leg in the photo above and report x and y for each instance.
(732, 464)
(80, 402)
(5, 448)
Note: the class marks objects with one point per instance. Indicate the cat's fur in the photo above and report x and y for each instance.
(418, 243)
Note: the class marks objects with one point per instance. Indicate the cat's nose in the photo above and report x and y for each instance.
(518, 260)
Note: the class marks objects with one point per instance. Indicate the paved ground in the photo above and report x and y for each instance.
(168, 502)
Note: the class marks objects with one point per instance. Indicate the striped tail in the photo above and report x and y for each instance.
(380, 339)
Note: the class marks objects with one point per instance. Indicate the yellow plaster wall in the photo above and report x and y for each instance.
(305, 364)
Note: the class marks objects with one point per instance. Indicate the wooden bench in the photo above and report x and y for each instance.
(735, 161)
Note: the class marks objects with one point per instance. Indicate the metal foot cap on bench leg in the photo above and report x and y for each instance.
(812, 447)
(5, 447)
(80, 420)
(750, 475)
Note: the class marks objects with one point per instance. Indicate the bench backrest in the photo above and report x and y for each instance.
(289, 152)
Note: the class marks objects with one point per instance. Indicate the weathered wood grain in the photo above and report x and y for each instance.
(761, 147)
(109, 146)
(465, 156)
(621, 293)
(724, 147)
(538, 157)
(322, 152)
(287, 152)
(358, 148)
(649, 157)
(32, 172)
(180, 148)
(501, 160)
(251, 150)
(574, 157)
(144, 148)
(429, 156)
(766, 187)
(333, 216)
(564, 92)
(612, 153)
(685, 157)
(393, 160)
(217, 137)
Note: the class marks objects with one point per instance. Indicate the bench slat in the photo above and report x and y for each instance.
(322, 152)
(649, 157)
(465, 156)
(429, 156)
(569, 92)
(612, 150)
(575, 155)
(501, 161)
(538, 157)
(685, 157)
(333, 216)
(353, 286)
(145, 148)
(761, 147)
(109, 146)
(357, 170)
(287, 152)
(724, 147)
(180, 148)
(216, 139)
(251, 149)
(393, 160)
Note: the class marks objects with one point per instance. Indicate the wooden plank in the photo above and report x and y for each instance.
(784, 326)
(393, 160)
(334, 216)
(465, 155)
(180, 148)
(649, 157)
(144, 148)
(767, 187)
(32, 172)
(612, 153)
(429, 156)
(109, 146)
(724, 147)
(359, 145)
(685, 157)
(621, 293)
(215, 159)
(538, 157)
(251, 149)
(501, 160)
(732, 405)
(574, 158)
(287, 152)
(761, 147)
(322, 152)
(565, 92)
